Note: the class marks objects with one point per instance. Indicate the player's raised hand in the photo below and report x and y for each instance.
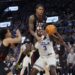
(18, 32)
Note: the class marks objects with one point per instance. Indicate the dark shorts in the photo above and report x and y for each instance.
(34, 57)
(4, 70)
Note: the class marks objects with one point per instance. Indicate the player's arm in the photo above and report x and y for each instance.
(15, 40)
(58, 38)
(22, 70)
(17, 63)
(21, 51)
(31, 27)
(21, 55)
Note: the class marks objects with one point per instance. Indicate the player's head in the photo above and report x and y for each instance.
(4, 33)
(40, 9)
(40, 31)
(28, 46)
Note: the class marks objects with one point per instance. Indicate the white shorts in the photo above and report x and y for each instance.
(26, 61)
(44, 61)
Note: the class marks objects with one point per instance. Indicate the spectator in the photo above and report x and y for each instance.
(71, 61)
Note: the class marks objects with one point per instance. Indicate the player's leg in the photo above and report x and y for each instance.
(34, 57)
(10, 73)
(52, 70)
(46, 70)
(52, 64)
(38, 66)
(34, 71)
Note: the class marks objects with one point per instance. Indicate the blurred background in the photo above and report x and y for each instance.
(61, 13)
(14, 14)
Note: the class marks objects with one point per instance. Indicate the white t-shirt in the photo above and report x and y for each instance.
(71, 58)
(45, 47)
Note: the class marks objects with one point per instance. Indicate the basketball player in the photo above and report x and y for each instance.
(26, 48)
(39, 18)
(24, 57)
(47, 54)
(7, 41)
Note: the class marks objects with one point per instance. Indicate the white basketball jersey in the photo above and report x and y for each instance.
(45, 47)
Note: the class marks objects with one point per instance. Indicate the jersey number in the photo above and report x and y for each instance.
(45, 48)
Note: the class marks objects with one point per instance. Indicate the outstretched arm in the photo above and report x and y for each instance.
(58, 38)
(15, 40)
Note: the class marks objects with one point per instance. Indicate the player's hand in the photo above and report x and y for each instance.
(18, 32)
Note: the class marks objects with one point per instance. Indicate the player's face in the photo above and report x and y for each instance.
(40, 11)
(29, 46)
(39, 31)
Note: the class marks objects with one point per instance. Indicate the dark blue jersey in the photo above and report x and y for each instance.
(37, 22)
(3, 52)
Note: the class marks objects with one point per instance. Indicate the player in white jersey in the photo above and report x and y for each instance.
(24, 57)
(47, 54)
(27, 49)
(45, 47)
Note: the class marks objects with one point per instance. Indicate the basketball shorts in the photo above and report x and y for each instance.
(44, 61)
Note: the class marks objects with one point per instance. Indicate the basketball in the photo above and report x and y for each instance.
(51, 29)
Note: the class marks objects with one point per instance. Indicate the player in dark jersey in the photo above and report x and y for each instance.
(38, 19)
(7, 41)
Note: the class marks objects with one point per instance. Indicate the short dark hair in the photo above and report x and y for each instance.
(39, 5)
(2, 33)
